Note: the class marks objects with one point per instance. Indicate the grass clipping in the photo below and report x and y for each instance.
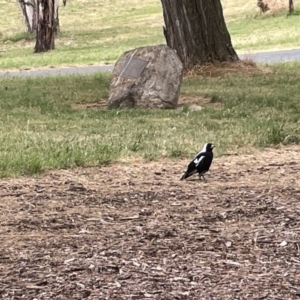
(217, 69)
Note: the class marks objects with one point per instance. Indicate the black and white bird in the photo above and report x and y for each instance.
(201, 162)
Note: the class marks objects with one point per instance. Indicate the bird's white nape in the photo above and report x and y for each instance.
(204, 149)
(201, 151)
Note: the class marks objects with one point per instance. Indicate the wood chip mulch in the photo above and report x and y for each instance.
(137, 232)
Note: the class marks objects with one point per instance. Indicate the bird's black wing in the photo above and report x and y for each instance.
(193, 166)
(204, 163)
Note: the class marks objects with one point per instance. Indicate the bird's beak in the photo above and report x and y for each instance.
(212, 146)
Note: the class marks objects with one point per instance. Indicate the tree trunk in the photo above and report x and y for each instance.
(45, 25)
(56, 18)
(28, 9)
(196, 29)
(291, 6)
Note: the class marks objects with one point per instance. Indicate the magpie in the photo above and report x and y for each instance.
(201, 162)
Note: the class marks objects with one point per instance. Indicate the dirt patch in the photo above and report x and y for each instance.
(200, 101)
(136, 231)
(183, 100)
(102, 104)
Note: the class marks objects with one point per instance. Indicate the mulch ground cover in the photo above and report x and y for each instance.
(134, 231)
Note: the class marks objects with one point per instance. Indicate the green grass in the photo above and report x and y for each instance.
(101, 36)
(44, 124)
(266, 32)
(99, 32)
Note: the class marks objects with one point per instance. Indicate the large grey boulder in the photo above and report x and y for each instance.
(147, 77)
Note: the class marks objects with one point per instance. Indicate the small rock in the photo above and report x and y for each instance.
(228, 244)
(82, 286)
(283, 243)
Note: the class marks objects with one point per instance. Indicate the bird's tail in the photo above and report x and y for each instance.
(184, 176)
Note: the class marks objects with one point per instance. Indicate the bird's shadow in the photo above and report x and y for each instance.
(195, 180)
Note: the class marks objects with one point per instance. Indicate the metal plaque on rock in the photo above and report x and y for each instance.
(133, 67)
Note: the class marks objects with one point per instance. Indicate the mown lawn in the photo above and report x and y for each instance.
(98, 33)
(55, 122)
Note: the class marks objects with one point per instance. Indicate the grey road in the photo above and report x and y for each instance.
(262, 57)
(274, 57)
(57, 71)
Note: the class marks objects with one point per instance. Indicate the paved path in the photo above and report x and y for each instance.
(274, 57)
(262, 57)
(57, 71)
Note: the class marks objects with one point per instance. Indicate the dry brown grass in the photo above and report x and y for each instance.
(135, 232)
(234, 9)
(217, 69)
(274, 8)
(275, 5)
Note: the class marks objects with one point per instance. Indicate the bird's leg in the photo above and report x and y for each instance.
(201, 177)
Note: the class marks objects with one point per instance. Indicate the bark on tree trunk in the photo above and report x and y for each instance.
(291, 6)
(56, 18)
(196, 29)
(45, 26)
(28, 9)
